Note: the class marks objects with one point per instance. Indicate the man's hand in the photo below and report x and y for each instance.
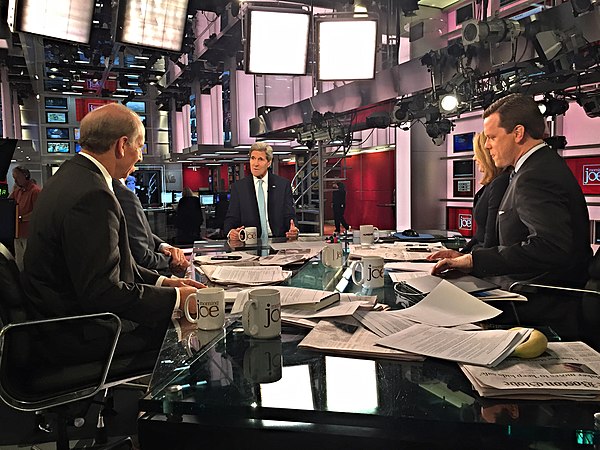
(183, 283)
(463, 263)
(293, 231)
(177, 256)
(234, 234)
(444, 254)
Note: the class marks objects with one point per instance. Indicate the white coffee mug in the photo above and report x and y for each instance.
(368, 234)
(249, 235)
(261, 316)
(356, 236)
(263, 361)
(371, 268)
(332, 255)
(210, 307)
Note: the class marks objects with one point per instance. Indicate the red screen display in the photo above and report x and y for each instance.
(587, 172)
(461, 220)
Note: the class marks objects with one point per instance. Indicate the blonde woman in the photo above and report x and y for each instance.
(485, 203)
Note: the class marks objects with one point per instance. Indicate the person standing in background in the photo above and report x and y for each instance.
(25, 193)
(339, 206)
(189, 218)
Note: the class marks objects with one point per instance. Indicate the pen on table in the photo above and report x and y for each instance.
(226, 258)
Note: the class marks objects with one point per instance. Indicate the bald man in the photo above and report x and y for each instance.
(78, 259)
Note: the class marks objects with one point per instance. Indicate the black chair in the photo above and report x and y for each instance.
(46, 365)
(586, 301)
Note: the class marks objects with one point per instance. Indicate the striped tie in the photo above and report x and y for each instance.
(262, 212)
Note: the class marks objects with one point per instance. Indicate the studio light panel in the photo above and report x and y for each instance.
(152, 23)
(277, 42)
(346, 49)
(69, 20)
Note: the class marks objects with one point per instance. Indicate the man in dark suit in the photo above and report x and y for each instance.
(543, 221)
(246, 196)
(78, 259)
(147, 248)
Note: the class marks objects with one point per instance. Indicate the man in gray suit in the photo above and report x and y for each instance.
(543, 221)
(78, 259)
(147, 248)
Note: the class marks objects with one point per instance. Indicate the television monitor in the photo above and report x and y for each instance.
(463, 168)
(57, 133)
(137, 106)
(55, 103)
(166, 197)
(56, 117)
(463, 188)
(76, 133)
(177, 196)
(58, 147)
(463, 142)
(207, 199)
(77, 147)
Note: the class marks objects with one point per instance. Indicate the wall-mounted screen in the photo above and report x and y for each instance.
(207, 199)
(463, 142)
(138, 106)
(177, 196)
(55, 103)
(587, 173)
(463, 188)
(463, 168)
(77, 147)
(76, 133)
(460, 219)
(56, 117)
(57, 133)
(58, 147)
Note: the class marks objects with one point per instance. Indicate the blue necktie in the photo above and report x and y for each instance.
(262, 212)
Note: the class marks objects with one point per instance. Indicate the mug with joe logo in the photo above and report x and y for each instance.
(261, 316)
(332, 255)
(371, 268)
(249, 235)
(368, 234)
(210, 307)
(263, 361)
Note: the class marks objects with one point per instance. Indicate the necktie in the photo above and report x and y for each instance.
(262, 212)
(511, 175)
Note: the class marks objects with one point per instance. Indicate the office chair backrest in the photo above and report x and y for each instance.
(590, 304)
(13, 308)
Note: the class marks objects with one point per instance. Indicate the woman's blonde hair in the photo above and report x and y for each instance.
(482, 154)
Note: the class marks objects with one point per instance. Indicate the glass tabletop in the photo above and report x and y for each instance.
(274, 385)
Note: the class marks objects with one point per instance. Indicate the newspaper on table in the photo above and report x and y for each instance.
(567, 370)
(396, 251)
(245, 275)
(350, 340)
(484, 348)
(239, 257)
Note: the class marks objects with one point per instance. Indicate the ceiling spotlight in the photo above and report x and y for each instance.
(553, 106)
(401, 112)
(492, 31)
(437, 131)
(409, 7)
(449, 103)
(590, 104)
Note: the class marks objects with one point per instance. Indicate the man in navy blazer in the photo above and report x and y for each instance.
(243, 207)
(543, 221)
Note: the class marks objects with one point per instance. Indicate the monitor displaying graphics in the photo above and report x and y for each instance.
(166, 197)
(463, 168)
(56, 117)
(463, 142)
(57, 133)
(463, 188)
(76, 133)
(461, 220)
(55, 103)
(77, 147)
(177, 196)
(207, 199)
(587, 173)
(58, 147)
(138, 107)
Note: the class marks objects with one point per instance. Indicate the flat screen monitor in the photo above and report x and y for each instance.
(207, 199)
(463, 142)
(76, 133)
(463, 168)
(55, 103)
(58, 147)
(57, 133)
(166, 197)
(56, 117)
(77, 147)
(177, 196)
(137, 106)
(463, 188)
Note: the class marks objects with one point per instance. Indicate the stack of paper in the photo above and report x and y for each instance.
(245, 275)
(395, 252)
(351, 340)
(567, 370)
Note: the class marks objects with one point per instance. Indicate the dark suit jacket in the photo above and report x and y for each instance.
(142, 241)
(543, 225)
(485, 213)
(78, 258)
(243, 206)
